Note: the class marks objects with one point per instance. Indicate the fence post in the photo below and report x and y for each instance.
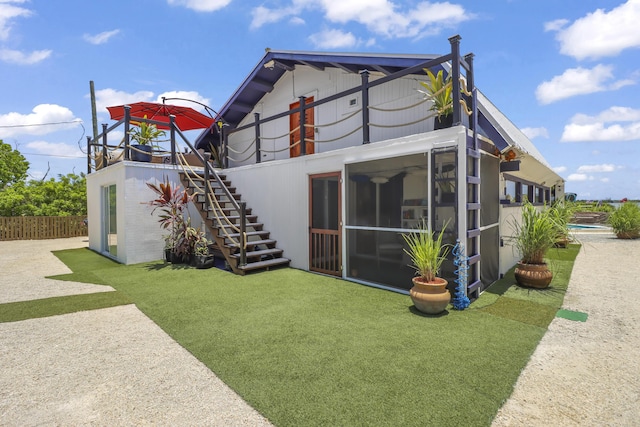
(172, 133)
(207, 186)
(127, 123)
(455, 78)
(243, 234)
(364, 75)
(104, 145)
(303, 129)
(88, 155)
(256, 117)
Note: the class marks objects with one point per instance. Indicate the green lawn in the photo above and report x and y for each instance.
(305, 349)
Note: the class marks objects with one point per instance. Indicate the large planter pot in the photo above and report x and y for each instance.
(203, 261)
(628, 235)
(533, 275)
(430, 297)
(137, 156)
(443, 122)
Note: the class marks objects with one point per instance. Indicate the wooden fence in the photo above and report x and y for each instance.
(41, 227)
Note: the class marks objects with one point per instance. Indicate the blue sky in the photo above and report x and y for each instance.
(566, 72)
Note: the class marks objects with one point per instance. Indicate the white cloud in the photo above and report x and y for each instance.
(383, 17)
(100, 38)
(613, 124)
(556, 25)
(333, 39)
(532, 133)
(604, 180)
(578, 177)
(560, 169)
(110, 97)
(201, 5)
(597, 168)
(20, 58)
(192, 95)
(578, 81)
(44, 119)
(8, 12)
(55, 149)
(600, 33)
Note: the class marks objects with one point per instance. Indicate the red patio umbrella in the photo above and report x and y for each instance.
(186, 118)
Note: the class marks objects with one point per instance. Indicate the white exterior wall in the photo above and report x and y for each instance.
(278, 191)
(139, 236)
(306, 81)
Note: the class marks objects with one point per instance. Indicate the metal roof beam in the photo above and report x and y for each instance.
(261, 85)
(240, 106)
(344, 67)
(313, 65)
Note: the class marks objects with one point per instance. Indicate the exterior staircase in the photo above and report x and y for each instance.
(223, 216)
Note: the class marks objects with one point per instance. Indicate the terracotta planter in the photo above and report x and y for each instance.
(430, 297)
(533, 275)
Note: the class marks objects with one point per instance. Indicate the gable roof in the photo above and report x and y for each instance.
(274, 64)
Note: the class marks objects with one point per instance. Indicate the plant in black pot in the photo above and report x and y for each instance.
(172, 202)
(438, 89)
(201, 256)
(142, 138)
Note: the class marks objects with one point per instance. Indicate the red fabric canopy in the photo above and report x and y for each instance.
(186, 118)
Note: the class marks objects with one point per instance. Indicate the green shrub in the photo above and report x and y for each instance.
(625, 220)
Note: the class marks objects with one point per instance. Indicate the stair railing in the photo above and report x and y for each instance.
(209, 172)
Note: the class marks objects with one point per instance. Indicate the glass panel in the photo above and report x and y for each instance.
(382, 192)
(510, 191)
(378, 257)
(110, 221)
(325, 203)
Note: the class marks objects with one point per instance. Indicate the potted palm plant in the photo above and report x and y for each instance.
(427, 253)
(561, 213)
(533, 236)
(439, 90)
(625, 221)
(143, 136)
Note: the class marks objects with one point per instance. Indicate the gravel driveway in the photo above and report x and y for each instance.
(103, 367)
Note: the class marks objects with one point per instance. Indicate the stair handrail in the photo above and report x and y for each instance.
(209, 170)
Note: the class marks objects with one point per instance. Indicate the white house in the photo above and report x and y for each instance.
(368, 167)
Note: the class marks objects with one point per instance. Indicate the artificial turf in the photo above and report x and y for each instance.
(306, 349)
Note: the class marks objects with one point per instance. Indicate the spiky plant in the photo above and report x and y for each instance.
(534, 234)
(439, 90)
(427, 252)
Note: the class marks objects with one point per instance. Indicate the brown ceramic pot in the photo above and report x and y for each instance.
(533, 275)
(628, 235)
(430, 297)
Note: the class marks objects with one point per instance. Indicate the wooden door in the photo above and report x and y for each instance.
(294, 123)
(325, 219)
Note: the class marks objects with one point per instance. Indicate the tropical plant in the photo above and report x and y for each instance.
(625, 221)
(172, 202)
(561, 213)
(534, 234)
(439, 90)
(145, 133)
(427, 252)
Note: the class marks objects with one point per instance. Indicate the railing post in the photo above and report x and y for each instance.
(455, 78)
(172, 137)
(127, 123)
(104, 145)
(88, 155)
(364, 75)
(303, 130)
(256, 118)
(473, 123)
(207, 184)
(243, 234)
(224, 144)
